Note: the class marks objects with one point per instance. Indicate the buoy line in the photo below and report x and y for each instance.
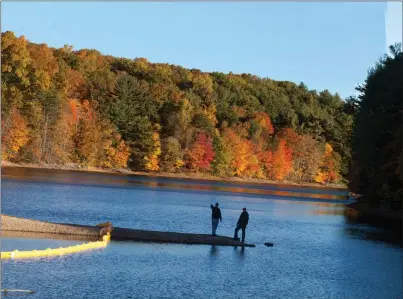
(56, 251)
(5, 291)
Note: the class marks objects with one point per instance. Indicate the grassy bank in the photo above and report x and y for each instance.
(181, 175)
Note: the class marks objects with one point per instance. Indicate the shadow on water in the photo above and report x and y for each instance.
(372, 228)
(380, 235)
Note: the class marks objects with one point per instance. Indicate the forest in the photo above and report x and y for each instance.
(62, 106)
(377, 159)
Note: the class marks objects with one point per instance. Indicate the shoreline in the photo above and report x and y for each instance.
(184, 176)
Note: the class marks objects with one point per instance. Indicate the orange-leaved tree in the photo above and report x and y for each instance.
(266, 160)
(243, 160)
(282, 161)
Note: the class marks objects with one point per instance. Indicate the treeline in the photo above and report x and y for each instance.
(62, 106)
(377, 139)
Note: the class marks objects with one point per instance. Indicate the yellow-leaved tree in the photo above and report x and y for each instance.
(14, 135)
(152, 160)
(327, 172)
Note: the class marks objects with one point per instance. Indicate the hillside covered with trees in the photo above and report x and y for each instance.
(61, 106)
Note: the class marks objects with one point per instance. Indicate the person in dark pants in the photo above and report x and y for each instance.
(215, 217)
(241, 224)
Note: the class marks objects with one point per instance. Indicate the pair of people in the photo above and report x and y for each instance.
(241, 224)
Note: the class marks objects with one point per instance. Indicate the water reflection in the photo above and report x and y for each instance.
(329, 211)
(130, 181)
(240, 254)
(214, 251)
(67, 174)
(320, 256)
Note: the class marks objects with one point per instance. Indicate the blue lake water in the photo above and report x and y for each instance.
(317, 253)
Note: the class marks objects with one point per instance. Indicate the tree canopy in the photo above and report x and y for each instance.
(377, 140)
(66, 106)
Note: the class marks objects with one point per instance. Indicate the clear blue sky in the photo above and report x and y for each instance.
(325, 45)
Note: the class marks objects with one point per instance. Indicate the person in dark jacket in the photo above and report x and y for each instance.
(215, 217)
(241, 224)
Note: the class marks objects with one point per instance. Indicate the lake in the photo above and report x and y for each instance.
(318, 252)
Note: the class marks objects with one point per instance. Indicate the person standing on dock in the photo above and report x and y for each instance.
(241, 224)
(215, 217)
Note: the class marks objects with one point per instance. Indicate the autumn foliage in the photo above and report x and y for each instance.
(327, 171)
(62, 106)
(14, 135)
(201, 154)
(152, 160)
(282, 161)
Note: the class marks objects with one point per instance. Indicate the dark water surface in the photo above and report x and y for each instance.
(318, 253)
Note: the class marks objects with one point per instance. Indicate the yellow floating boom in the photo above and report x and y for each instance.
(56, 251)
(5, 291)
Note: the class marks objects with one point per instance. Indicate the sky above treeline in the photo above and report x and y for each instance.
(325, 45)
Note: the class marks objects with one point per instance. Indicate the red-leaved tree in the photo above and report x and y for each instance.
(201, 154)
